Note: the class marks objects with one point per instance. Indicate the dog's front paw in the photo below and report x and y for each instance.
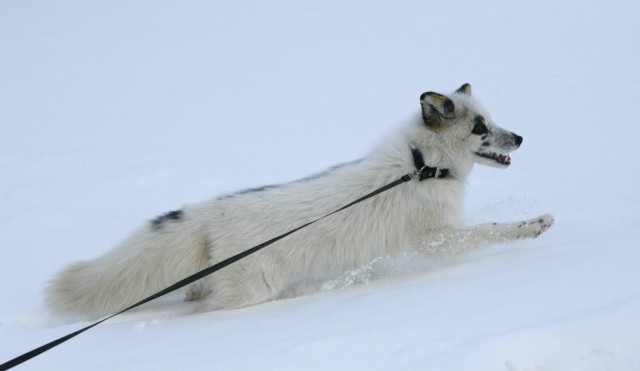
(534, 227)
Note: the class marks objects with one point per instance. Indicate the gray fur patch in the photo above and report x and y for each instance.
(273, 186)
(162, 220)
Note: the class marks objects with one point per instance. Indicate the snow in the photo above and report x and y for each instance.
(113, 113)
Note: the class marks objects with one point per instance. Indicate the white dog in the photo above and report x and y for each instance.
(452, 133)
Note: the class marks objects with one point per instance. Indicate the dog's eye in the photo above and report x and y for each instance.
(479, 128)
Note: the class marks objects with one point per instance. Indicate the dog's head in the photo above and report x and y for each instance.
(465, 129)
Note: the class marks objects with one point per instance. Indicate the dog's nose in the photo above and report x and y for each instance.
(518, 139)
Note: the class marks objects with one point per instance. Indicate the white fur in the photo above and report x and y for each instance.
(423, 215)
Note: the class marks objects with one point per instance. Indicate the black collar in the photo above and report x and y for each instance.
(426, 172)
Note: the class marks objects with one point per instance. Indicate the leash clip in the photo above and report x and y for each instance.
(416, 174)
(424, 171)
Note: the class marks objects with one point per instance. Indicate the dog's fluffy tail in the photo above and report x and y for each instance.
(148, 261)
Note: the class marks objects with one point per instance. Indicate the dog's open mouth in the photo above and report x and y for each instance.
(501, 160)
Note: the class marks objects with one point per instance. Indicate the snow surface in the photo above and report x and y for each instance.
(114, 112)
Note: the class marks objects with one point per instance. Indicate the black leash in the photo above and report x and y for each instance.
(423, 172)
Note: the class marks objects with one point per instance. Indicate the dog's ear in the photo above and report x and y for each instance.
(464, 89)
(435, 108)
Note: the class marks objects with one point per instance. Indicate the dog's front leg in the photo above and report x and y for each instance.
(452, 241)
